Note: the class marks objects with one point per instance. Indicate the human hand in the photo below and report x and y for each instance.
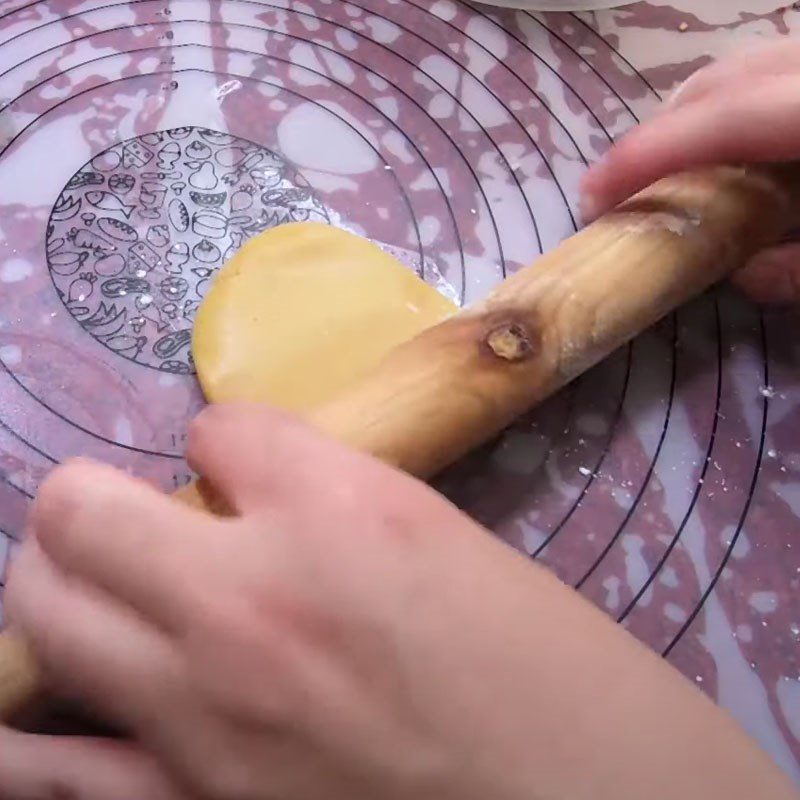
(741, 109)
(348, 635)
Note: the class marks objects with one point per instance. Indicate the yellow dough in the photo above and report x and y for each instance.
(301, 311)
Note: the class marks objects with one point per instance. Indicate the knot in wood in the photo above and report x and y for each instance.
(510, 342)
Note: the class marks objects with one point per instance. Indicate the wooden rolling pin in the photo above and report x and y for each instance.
(460, 383)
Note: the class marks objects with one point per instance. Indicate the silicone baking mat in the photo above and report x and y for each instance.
(144, 141)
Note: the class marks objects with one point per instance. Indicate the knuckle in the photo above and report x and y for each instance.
(257, 639)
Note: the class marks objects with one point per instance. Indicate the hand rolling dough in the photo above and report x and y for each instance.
(301, 311)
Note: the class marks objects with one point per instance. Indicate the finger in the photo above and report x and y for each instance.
(772, 277)
(126, 538)
(89, 647)
(757, 125)
(252, 454)
(46, 768)
(265, 461)
(737, 71)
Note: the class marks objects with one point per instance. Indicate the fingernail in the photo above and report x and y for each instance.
(676, 94)
(673, 97)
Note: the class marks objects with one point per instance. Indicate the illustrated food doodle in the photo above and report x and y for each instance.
(138, 233)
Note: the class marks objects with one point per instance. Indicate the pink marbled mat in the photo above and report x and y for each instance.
(142, 140)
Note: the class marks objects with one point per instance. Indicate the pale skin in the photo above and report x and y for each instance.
(349, 634)
(741, 109)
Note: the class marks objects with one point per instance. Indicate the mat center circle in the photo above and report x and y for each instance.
(138, 233)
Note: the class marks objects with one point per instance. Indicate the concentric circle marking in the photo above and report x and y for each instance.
(474, 127)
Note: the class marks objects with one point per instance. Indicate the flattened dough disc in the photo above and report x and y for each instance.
(303, 310)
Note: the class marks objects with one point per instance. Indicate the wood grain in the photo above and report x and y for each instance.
(460, 383)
